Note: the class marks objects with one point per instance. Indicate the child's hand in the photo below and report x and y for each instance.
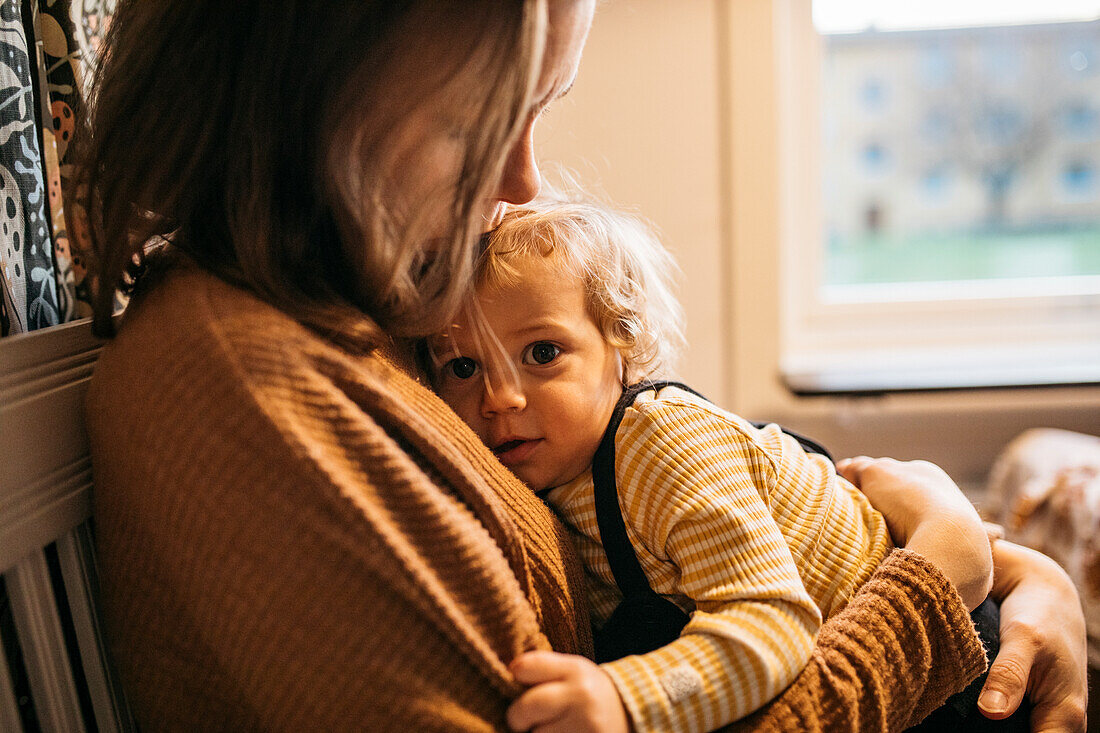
(568, 693)
(908, 493)
(926, 512)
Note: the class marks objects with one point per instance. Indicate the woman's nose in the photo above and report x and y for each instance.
(520, 181)
(502, 396)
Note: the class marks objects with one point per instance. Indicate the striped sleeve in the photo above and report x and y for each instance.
(695, 494)
(836, 537)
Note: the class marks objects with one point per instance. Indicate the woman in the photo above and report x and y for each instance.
(294, 532)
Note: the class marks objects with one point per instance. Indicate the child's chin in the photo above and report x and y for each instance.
(532, 482)
(529, 483)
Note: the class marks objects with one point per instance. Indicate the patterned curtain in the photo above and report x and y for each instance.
(47, 48)
(30, 300)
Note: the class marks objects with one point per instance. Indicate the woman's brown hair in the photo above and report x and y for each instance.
(252, 137)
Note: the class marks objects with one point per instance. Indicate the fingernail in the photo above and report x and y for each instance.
(993, 701)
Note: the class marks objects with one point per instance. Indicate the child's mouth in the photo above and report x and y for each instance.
(515, 451)
(505, 447)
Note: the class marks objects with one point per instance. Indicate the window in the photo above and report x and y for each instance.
(875, 158)
(937, 65)
(1080, 120)
(1001, 60)
(935, 184)
(958, 244)
(1079, 179)
(938, 125)
(873, 94)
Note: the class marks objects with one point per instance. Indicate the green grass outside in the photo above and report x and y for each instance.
(962, 256)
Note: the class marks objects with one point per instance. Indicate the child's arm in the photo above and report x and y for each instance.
(908, 612)
(694, 495)
(922, 506)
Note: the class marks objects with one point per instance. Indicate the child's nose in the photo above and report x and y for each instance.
(502, 396)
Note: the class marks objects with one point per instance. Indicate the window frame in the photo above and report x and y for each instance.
(1010, 332)
(962, 430)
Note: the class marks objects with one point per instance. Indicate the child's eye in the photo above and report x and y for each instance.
(542, 352)
(461, 368)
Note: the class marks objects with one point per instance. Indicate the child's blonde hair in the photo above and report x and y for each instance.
(627, 273)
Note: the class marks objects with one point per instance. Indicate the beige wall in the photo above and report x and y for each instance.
(641, 125)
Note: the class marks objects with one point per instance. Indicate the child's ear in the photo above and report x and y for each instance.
(623, 365)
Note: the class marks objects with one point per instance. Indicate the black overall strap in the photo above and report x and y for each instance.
(808, 445)
(621, 556)
(628, 572)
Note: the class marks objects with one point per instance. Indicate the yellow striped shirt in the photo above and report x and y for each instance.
(744, 530)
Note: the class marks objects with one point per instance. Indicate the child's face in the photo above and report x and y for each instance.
(546, 426)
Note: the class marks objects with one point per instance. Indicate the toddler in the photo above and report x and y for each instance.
(709, 575)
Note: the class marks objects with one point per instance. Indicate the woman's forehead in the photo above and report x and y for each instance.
(569, 21)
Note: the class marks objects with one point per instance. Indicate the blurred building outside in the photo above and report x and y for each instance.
(961, 153)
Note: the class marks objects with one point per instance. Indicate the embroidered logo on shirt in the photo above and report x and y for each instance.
(681, 682)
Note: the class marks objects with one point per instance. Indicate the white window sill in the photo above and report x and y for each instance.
(879, 371)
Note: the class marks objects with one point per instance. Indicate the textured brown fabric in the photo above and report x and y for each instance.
(274, 553)
(902, 646)
(295, 538)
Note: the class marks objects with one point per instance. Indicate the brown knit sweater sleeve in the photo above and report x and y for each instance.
(294, 538)
(902, 646)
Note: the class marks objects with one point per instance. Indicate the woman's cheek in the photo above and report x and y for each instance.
(442, 156)
(424, 178)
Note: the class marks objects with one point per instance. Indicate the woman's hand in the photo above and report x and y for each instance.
(568, 693)
(1042, 643)
(927, 513)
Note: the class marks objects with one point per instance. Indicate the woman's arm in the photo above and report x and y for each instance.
(905, 642)
(1042, 627)
(902, 646)
(1042, 642)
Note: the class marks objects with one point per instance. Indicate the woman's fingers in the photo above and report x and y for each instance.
(1007, 681)
(1042, 643)
(927, 513)
(1053, 711)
